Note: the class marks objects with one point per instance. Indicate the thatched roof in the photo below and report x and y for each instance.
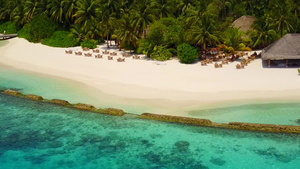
(287, 47)
(244, 23)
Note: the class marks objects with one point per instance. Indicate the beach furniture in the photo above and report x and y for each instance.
(69, 51)
(98, 56)
(105, 52)
(113, 54)
(109, 57)
(136, 57)
(96, 50)
(216, 65)
(126, 55)
(203, 63)
(78, 53)
(88, 54)
(121, 59)
(85, 49)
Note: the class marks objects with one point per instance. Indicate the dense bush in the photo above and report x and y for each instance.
(60, 39)
(160, 53)
(91, 44)
(9, 28)
(187, 53)
(39, 28)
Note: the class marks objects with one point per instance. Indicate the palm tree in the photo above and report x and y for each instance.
(164, 8)
(86, 13)
(142, 16)
(35, 7)
(183, 5)
(57, 10)
(281, 15)
(203, 34)
(7, 7)
(264, 32)
(70, 10)
(109, 12)
(233, 38)
(78, 32)
(18, 14)
(126, 32)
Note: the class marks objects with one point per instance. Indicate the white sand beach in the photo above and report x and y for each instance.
(171, 87)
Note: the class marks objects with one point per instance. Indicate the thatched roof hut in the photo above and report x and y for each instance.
(285, 48)
(244, 23)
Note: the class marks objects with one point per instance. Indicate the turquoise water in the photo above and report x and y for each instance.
(35, 135)
(52, 87)
(271, 113)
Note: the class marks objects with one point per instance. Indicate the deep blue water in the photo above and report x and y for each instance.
(35, 135)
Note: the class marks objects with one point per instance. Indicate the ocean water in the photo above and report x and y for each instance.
(268, 113)
(37, 135)
(52, 87)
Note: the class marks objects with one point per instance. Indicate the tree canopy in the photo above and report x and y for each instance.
(162, 25)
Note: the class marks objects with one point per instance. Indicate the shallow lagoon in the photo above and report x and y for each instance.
(42, 135)
(52, 87)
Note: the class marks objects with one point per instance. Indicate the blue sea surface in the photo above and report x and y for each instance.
(37, 135)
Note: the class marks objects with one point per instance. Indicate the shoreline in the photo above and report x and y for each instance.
(270, 128)
(169, 87)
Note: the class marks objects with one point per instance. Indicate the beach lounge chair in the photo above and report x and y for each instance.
(96, 50)
(109, 57)
(78, 53)
(88, 54)
(216, 65)
(136, 57)
(98, 56)
(69, 51)
(121, 59)
(203, 63)
(85, 49)
(105, 52)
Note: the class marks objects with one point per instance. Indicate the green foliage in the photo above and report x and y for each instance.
(167, 23)
(157, 32)
(298, 70)
(233, 37)
(161, 53)
(9, 28)
(187, 53)
(60, 39)
(92, 44)
(145, 47)
(39, 28)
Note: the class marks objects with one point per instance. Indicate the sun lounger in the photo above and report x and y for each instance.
(98, 56)
(69, 51)
(136, 57)
(88, 54)
(96, 50)
(78, 53)
(105, 52)
(121, 59)
(85, 49)
(109, 57)
(203, 63)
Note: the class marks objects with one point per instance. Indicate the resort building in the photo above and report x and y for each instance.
(285, 52)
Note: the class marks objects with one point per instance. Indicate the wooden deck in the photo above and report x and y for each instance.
(7, 36)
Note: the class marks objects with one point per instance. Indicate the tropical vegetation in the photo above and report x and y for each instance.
(153, 27)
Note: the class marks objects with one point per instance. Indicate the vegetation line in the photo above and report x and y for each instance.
(155, 28)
